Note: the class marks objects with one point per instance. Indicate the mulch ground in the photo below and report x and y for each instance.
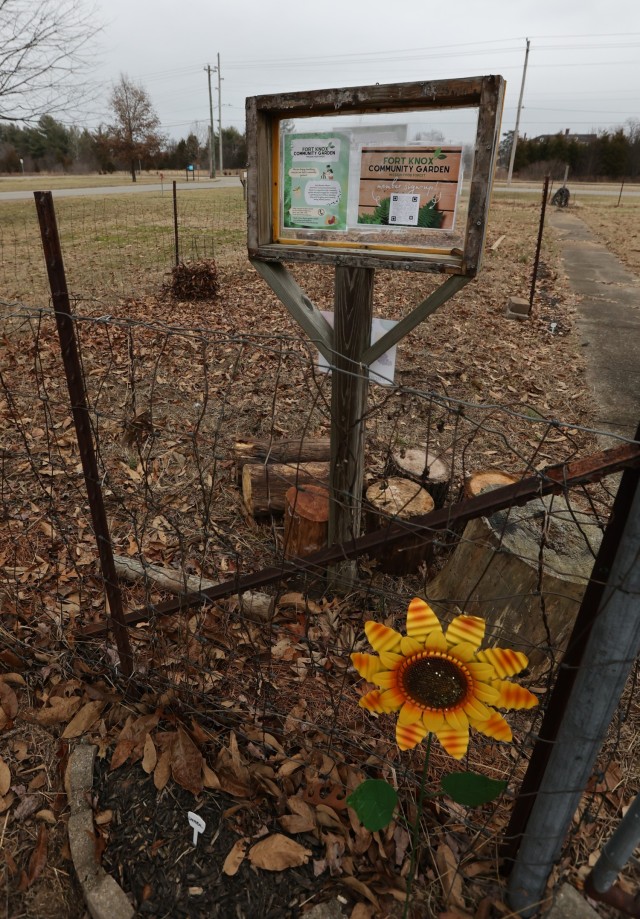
(151, 853)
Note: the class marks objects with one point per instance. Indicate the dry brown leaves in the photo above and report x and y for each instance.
(194, 280)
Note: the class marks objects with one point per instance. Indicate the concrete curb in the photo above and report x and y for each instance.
(105, 899)
(568, 904)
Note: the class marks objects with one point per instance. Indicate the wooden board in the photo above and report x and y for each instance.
(251, 450)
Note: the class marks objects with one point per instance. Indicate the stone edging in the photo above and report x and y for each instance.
(104, 897)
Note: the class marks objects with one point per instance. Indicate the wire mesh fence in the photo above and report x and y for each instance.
(125, 244)
(243, 680)
(265, 677)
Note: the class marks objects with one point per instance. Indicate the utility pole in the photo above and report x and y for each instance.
(514, 142)
(212, 160)
(219, 115)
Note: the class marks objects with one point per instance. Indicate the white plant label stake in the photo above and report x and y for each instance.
(197, 824)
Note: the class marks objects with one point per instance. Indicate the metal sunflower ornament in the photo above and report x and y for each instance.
(439, 681)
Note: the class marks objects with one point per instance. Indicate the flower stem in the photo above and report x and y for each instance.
(415, 830)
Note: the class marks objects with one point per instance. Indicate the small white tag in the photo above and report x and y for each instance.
(197, 824)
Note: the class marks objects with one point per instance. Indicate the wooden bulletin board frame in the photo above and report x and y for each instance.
(264, 114)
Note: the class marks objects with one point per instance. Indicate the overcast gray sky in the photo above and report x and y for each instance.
(584, 63)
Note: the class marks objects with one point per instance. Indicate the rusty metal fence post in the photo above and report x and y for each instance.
(536, 263)
(80, 411)
(175, 223)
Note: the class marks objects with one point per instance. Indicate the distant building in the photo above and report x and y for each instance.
(578, 138)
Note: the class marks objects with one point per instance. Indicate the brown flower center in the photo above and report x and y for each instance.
(434, 680)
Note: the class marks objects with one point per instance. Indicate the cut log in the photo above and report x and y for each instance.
(425, 469)
(397, 499)
(169, 579)
(316, 450)
(253, 604)
(306, 520)
(486, 479)
(264, 486)
(496, 572)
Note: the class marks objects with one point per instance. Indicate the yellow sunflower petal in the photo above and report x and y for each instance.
(410, 646)
(435, 641)
(433, 721)
(495, 727)
(409, 735)
(510, 695)
(390, 659)
(371, 701)
(421, 619)
(463, 651)
(391, 700)
(367, 665)
(381, 637)
(466, 629)
(486, 692)
(409, 714)
(456, 719)
(454, 741)
(475, 710)
(504, 661)
(385, 679)
(482, 672)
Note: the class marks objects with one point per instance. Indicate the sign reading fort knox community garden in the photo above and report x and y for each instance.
(332, 182)
(413, 186)
(361, 178)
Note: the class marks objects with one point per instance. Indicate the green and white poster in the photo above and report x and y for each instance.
(316, 176)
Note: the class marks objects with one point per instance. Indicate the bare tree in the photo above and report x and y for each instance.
(134, 134)
(44, 45)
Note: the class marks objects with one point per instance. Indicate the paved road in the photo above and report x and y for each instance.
(131, 188)
(610, 191)
(608, 321)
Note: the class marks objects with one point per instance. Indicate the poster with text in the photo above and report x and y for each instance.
(409, 186)
(316, 175)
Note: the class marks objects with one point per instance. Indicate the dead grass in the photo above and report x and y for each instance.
(37, 181)
(118, 245)
(617, 227)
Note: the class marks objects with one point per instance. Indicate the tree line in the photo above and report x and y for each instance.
(604, 154)
(131, 140)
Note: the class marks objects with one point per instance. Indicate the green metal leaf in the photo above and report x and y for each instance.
(374, 801)
(471, 789)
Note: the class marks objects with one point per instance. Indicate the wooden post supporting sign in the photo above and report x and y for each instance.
(353, 306)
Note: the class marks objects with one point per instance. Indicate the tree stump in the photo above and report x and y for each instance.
(425, 469)
(306, 520)
(394, 500)
(478, 482)
(496, 572)
(264, 486)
